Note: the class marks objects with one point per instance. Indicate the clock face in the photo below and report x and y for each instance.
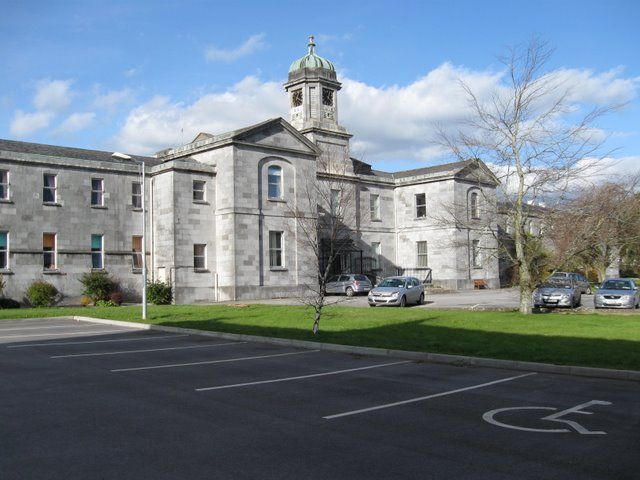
(296, 98)
(327, 97)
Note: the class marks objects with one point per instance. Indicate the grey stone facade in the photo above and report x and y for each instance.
(229, 221)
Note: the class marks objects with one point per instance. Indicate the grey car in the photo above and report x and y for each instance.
(397, 291)
(558, 292)
(581, 280)
(349, 284)
(617, 293)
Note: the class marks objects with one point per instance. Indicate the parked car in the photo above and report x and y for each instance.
(557, 292)
(581, 280)
(617, 293)
(397, 291)
(349, 284)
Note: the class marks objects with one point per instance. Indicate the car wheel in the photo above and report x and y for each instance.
(579, 302)
(349, 292)
(371, 305)
(421, 299)
(403, 302)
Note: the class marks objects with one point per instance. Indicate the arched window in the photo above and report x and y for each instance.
(275, 181)
(473, 205)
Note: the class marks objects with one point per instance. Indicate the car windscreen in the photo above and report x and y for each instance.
(361, 278)
(556, 283)
(616, 285)
(392, 282)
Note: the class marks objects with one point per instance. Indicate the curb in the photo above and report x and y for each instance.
(441, 358)
(457, 360)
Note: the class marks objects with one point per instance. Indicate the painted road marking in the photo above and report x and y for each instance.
(45, 327)
(64, 334)
(555, 417)
(150, 337)
(122, 352)
(211, 362)
(426, 397)
(300, 377)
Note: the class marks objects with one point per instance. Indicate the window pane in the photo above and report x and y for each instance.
(275, 249)
(423, 259)
(136, 247)
(275, 181)
(96, 191)
(96, 184)
(198, 190)
(199, 256)
(3, 240)
(49, 189)
(421, 205)
(96, 251)
(3, 250)
(136, 195)
(49, 180)
(49, 250)
(4, 185)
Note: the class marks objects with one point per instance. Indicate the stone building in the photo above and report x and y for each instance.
(220, 223)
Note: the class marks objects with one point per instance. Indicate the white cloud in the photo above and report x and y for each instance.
(253, 44)
(112, 99)
(76, 122)
(24, 124)
(393, 126)
(132, 72)
(53, 95)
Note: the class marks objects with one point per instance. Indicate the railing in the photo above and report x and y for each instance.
(424, 274)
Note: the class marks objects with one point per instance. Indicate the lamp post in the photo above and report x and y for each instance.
(144, 242)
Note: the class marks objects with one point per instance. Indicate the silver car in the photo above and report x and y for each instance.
(617, 293)
(557, 292)
(397, 291)
(349, 284)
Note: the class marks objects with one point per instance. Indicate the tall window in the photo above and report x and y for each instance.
(473, 206)
(275, 249)
(4, 250)
(97, 252)
(334, 203)
(274, 176)
(422, 256)
(374, 206)
(421, 205)
(49, 253)
(97, 192)
(475, 253)
(199, 256)
(136, 252)
(4, 185)
(136, 194)
(199, 190)
(49, 188)
(376, 250)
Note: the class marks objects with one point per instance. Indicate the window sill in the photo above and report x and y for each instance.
(52, 272)
(136, 209)
(278, 269)
(477, 267)
(98, 270)
(51, 204)
(136, 271)
(6, 200)
(201, 202)
(99, 207)
(276, 200)
(419, 218)
(6, 272)
(201, 270)
(376, 220)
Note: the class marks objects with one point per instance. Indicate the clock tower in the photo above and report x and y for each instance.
(313, 101)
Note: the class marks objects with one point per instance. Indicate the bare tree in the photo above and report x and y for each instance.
(534, 139)
(330, 192)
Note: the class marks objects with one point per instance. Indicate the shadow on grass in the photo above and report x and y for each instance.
(417, 335)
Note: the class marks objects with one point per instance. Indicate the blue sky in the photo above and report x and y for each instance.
(140, 76)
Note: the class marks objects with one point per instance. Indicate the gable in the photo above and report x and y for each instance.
(276, 135)
(478, 172)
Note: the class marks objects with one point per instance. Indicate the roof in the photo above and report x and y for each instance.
(311, 60)
(69, 152)
(445, 167)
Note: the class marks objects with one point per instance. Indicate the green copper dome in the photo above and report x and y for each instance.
(311, 60)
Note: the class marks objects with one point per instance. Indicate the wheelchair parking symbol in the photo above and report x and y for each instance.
(557, 417)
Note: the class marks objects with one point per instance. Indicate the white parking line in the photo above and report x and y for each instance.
(46, 328)
(210, 362)
(300, 377)
(150, 337)
(427, 397)
(65, 334)
(97, 354)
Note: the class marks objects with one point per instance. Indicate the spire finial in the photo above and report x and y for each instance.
(311, 45)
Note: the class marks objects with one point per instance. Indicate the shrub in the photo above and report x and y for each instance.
(98, 285)
(116, 297)
(85, 301)
(42, 294)
(8, 303)
(105, 303)
(159, 293)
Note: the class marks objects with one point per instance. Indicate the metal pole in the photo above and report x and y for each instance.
(144, 245)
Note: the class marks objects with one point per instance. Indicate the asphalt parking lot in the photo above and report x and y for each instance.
(82, 400)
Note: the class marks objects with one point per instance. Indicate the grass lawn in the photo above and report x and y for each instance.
(609, 341)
